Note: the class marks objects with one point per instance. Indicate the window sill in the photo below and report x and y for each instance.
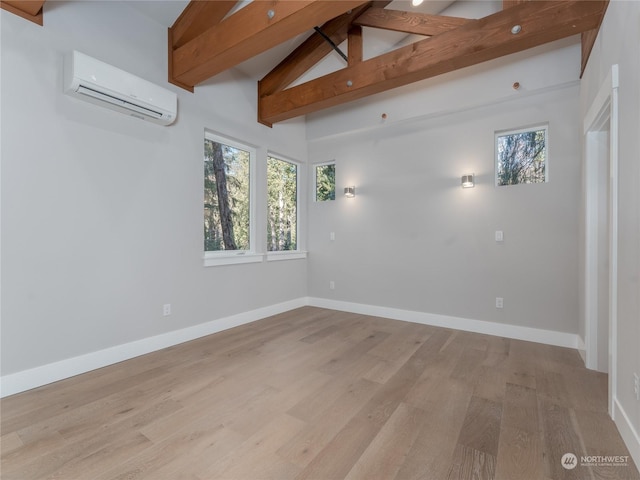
(289, 255)
(214, 260)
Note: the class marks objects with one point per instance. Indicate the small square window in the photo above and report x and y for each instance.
(325, 182)
(521, 156)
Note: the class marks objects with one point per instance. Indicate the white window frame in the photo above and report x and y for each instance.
(298, 253)
(533, 128)
(230, 257)
(314, 191)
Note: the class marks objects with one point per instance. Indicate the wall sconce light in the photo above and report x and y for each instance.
(350, 192)
(467, 181)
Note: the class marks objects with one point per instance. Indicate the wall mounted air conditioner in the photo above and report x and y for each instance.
(100, 83)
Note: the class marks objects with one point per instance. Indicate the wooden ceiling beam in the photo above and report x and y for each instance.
(587, 40)
(250, 31)
(198, 17)
(355, 44)
(512, 3)
(309, 53)
(28, 9)
(475, 42)
(408, 22)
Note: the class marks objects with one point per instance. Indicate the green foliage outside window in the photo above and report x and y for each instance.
(282, 212)
(325, 182)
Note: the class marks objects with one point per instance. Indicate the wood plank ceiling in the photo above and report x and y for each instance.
(206, 40)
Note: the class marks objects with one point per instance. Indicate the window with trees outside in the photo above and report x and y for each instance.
(227, 195)
(282, 205)
(325, 182)
(521, 156)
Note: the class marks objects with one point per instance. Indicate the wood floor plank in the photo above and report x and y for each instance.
(587, 389)
(313, 406)
(186, 418)
(521, 372)
(444, 402)
(351, 353)
(55, 452)
(19, 458)
(302, 448)
(339, 456)
(469, 365)
(385, 454)
(71, 399)
(491, 383)
(399, 346)
(10, 442)
(552, 386)
(481, 428)
(560, 436)
(520, 408)
(519, 455)
(601, 438)
(323, 333)
(557, 357)
(260, 410)
(444, 406)
(258, 453)
(470, 464)
(112, 451)
(188, 452)
(321, 394)
(83, 421)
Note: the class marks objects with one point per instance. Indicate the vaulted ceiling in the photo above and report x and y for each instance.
(210, 37)
(205, 41)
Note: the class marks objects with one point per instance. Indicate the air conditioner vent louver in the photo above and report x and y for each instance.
(102, 84)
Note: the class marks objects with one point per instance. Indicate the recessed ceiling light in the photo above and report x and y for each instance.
(415, 3)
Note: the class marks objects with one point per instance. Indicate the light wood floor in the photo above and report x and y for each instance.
(319, 394)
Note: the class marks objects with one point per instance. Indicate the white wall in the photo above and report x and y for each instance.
(102, 213)
(413, 239)
(619, 43)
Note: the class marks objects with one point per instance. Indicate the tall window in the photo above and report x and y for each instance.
(521, 156)
(227, 194)
(282, 205)
(325, 182)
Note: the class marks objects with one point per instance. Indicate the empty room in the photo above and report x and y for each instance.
(320, 239)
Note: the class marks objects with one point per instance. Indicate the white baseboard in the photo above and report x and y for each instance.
(627, 432)
(548, 337)
(582, 349)
(52, 372)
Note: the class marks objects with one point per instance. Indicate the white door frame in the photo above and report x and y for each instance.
(603, 109)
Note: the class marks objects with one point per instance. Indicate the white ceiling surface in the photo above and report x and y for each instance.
(376, 41)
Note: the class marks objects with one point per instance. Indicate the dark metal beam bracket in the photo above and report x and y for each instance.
(331, 42)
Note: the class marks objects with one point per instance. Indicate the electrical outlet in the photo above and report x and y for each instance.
(166, 309)
(636, 385)
(499, 302)
(332, 285)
